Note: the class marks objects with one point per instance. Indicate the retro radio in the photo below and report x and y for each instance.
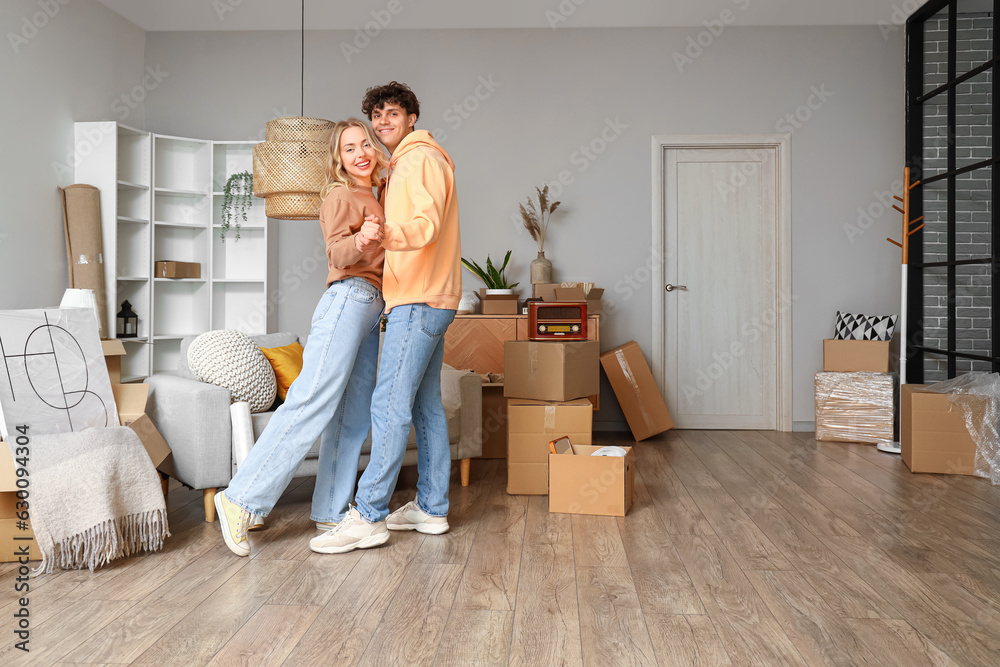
(557, 320)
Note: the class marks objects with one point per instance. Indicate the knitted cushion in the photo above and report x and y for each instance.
(229, 359)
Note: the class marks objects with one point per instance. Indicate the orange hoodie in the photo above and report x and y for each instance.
(423, 259)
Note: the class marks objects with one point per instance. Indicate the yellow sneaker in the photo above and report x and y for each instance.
(234, 521)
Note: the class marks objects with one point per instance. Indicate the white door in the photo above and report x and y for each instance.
(720, 301)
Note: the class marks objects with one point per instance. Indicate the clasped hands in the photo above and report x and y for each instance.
(371, 234)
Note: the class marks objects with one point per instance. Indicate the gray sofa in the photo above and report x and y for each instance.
(194, 419)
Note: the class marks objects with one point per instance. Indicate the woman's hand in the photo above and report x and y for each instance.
(371, 235)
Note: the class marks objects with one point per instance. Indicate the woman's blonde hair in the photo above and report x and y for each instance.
(336, 175)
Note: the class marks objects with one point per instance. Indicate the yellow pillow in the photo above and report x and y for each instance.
(287, 364)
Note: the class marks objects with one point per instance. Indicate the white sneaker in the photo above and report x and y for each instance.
(411, 517)
(351, 533)
(326, 525)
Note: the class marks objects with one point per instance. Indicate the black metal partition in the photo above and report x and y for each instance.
(952, 290)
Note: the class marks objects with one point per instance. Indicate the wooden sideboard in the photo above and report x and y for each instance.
(476, 341)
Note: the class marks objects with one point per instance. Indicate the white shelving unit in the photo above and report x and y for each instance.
(161, 199)
(116, 159)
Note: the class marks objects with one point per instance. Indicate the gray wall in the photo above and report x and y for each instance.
(556, 91)
(73, 67)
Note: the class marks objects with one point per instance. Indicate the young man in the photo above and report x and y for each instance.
(422, 285)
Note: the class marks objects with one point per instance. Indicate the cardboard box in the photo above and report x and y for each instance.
(531, 425)
(637, 393)
(850, 356)
(12, 537)
(131, 401)
(497, 304)
(551, 370)
(171, 269)
(855, 407)
(583, 484)
(114, 350)
(569, 292)
(932, 431)
(494, 422)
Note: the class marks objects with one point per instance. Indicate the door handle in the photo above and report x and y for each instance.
(671, 288)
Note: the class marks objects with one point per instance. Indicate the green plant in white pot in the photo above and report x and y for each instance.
(496, 281)
(236, 202)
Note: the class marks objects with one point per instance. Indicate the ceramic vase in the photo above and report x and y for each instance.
(541, 270)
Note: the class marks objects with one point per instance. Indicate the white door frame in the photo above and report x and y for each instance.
(783, 250)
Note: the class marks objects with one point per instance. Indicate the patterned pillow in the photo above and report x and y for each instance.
(229, 359)
(864, 327)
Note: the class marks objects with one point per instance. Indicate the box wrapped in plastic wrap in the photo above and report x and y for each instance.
(855, 407)
(977, 394)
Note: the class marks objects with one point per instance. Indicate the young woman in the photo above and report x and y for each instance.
(332, 396)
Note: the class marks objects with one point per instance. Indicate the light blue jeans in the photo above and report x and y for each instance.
(409, 393)
(331, 397)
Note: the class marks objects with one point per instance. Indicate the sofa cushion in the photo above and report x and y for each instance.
(287, 364)
(280, 339)
(230, 359)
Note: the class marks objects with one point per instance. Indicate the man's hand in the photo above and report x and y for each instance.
(371, 235)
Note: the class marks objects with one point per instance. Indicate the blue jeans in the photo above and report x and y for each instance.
(409, 393)
(331, 397)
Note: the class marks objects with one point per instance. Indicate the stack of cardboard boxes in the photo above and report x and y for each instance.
(855, 392)
(546, 384)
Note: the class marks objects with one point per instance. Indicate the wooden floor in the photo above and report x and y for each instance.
(742, 547)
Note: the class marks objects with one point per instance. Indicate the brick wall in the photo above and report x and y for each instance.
(973, 213)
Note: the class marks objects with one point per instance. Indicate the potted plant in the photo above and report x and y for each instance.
(236, 202)
(496, 281)
(536, 221)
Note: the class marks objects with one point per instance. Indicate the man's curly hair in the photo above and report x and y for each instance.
(393, 92)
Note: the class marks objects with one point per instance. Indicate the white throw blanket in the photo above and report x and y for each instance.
(94, 497)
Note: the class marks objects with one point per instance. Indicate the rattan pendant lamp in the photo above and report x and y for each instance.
(289, 166)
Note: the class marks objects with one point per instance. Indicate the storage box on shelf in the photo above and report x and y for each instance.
(161, 200)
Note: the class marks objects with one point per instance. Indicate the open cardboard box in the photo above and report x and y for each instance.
(569, 291)
(580, 483)
(498, 304)
(531, 425)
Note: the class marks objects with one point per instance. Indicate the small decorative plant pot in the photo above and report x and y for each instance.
(499, 291)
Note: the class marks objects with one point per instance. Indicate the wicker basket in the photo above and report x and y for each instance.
(289, 167)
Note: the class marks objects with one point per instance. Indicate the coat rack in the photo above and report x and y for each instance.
(904, 245)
